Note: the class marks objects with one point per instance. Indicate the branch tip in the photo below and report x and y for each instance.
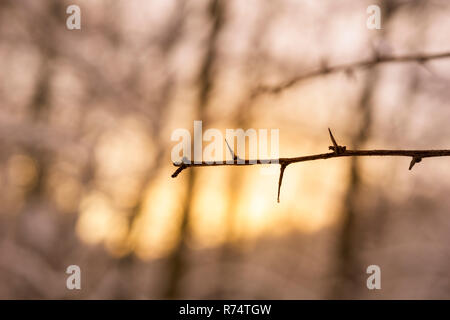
(179, 169)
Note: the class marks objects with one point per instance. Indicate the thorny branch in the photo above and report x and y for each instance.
(338, 151)
(349, 69)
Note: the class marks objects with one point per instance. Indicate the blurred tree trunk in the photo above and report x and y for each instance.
(39, 106)
(349, 270)
(38, 113)
(161, 106)
(229, 251)
(177, 264)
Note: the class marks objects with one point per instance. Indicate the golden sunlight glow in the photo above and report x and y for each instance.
(98, 223)
(156, 229)
(208, 214)
(95, 218)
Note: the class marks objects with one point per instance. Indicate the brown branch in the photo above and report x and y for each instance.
(338, 151)
(349, 69)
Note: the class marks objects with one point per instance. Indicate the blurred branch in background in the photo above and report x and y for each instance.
(347, 249)
(243, 119)
(350, 68)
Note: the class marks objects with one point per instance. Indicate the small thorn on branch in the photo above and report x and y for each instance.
(282, 168)
(335, 147)
(414, 160)
(235, 157)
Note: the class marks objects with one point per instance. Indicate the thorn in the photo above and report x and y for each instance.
(283, 166)
(414, 160)
(336, 148)
(333, 140)
(235, 157)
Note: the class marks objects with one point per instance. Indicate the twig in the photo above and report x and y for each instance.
(338, 151)
(348, 69)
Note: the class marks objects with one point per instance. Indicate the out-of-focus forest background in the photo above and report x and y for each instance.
(86, 118)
